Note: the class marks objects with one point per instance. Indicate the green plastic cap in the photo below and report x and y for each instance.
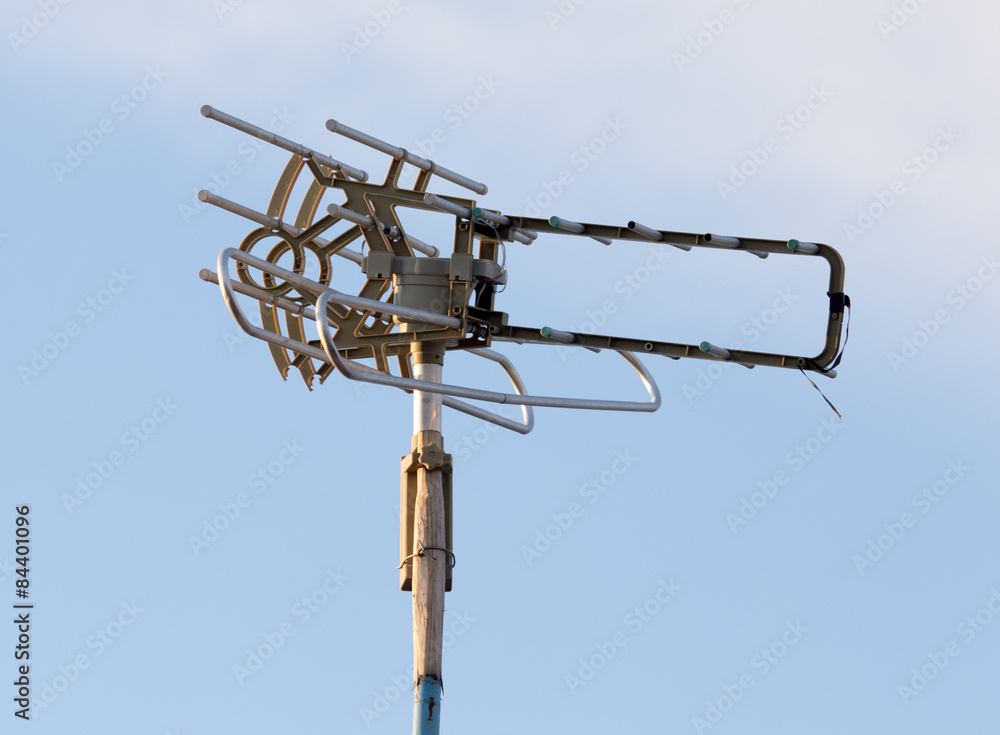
(705, 346)
(555, 221)
(546, 331)
(793, 244)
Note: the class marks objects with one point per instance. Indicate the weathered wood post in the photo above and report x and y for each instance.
(431, 557)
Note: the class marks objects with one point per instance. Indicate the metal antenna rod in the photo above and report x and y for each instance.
(292, 147)
(401, 154)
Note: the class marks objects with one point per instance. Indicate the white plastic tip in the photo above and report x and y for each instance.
(568, 225)
(362, 220)
(432, 200)
(728, 242)
(645, 231)
(558, 335)
(719, 352)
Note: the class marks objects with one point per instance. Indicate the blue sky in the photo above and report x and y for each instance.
(741, 561)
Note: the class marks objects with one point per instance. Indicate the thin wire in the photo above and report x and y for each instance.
(821, 393)
(423, 548)
(503, 265)
(503, 249)
(840, 355)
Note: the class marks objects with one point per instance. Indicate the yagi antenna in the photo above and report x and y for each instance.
(416, 305)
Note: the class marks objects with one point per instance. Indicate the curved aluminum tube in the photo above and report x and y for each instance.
(521, 427)
(332, 356)
(229, 290)
(485, 415)
(527, 415)
(363, 373)
(406, 313)
(229, 296)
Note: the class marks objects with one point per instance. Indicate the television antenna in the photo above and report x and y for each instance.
(417, 304)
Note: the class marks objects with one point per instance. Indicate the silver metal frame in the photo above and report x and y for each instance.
(356, 371)
(362, 210)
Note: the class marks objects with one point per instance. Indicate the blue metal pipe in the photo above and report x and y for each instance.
(427, 707)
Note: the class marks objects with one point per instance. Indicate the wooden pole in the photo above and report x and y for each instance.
(429, 564)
